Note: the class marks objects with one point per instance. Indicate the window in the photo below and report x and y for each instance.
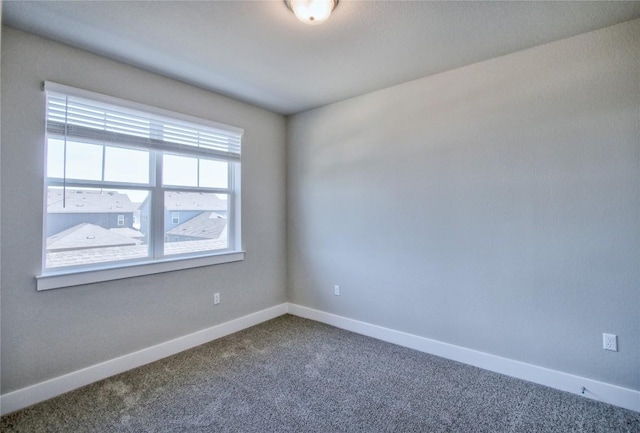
(128, 184)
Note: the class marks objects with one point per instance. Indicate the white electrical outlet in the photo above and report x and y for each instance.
(610, 342)
(216, 298)
(336, 290)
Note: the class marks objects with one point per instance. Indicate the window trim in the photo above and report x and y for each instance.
(86, 274)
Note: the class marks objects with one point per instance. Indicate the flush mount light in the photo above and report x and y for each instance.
(312, 11)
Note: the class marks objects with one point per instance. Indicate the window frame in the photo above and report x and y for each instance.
(156, 261)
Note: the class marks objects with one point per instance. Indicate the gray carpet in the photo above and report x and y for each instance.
(295, 375)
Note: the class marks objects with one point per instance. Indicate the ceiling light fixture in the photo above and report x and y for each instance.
(312, 11)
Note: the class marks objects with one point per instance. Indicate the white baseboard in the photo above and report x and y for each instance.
(612, 394)
(24, 397)
(601, 391)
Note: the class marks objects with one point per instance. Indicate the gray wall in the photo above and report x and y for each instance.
(495, 206)
(47, 334)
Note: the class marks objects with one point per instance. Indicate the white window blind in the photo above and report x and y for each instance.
(80, 114)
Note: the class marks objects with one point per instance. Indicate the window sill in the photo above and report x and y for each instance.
(55, 280)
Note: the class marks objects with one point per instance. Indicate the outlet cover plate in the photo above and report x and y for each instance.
(610, 342)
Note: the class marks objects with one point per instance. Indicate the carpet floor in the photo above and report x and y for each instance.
(296, 375)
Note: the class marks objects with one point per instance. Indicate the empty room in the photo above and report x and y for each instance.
(320, 216)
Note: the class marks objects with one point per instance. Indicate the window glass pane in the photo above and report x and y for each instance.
(179, 171)
(116, 161)
(84, 161)
(214, 174)
(91, 226)
(126, 165)
(55, 158)
(195, 222)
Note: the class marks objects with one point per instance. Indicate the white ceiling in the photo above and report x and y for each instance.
(256, 51)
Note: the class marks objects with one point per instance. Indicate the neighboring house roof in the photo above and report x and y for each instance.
(57, 259)
(193, 201)
(89, 201)
(128, 232)
(207, 225)
(87, 235)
